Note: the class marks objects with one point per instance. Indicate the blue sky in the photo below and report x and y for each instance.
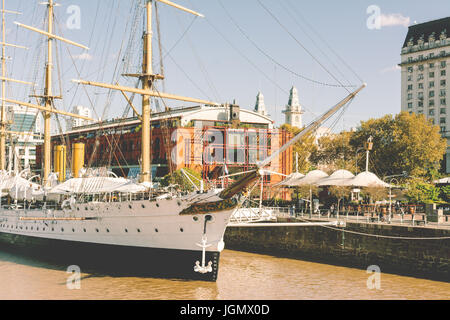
(233, 68)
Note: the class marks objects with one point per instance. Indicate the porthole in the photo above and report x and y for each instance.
(130, 206)
(84, 230)
(156, 229)
(157, 204)
(62, 229)
(86, 208)
(31, 228)
(126, 230)
(96, 230)
(195, 218)
(73, 230)
(143, 206)
(138, 230)
(181, 229)
(107, 230)
(53, 229)
(37, 229)
(179, 203)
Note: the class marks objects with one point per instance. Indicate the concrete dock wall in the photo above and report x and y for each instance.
(420, 258)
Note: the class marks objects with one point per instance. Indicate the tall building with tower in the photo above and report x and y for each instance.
(425, 57)
(260, 106)
(293, 112)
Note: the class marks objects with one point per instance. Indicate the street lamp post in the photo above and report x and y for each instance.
(369, 145)
(390, 197)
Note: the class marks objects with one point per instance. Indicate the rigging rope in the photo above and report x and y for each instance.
(325, 42)
(273, 59)
(301, 45)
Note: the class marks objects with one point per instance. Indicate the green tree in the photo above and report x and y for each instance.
(422, 192)
(406, 142)
(304, 148)
(178, 179)
(445, 193)
(339, 192)
(334, 152)
(375, 193)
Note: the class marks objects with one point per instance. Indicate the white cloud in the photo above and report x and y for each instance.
(83, 56)
(390, 69)
(394, 19)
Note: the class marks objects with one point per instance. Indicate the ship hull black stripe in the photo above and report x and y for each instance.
(111, 259)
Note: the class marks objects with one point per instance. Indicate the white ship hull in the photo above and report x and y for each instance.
(143, 227)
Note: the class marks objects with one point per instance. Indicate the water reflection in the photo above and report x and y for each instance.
(242, 276)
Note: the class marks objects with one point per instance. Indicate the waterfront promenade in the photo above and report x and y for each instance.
(401, 246)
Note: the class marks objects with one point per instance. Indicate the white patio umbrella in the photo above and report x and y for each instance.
(340, 177)
(290, 180)
(366, 179)
(310, 179)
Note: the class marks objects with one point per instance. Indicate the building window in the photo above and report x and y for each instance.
(442, 94)
(431, 103)
(442, 111)
(420, 85)
(443, 64)
(420, 104)
(410, 87)
(409, 105)
(420, 95)
(409, 78)
(431, 94)
(431, 64)
(431, 84)
(410, 69)
(443, 72)
(420, 76)
(431, 112)
(443, 102)
(442, 120)
(409, 96)
(420, 67)
(442, 129)
(443, 82)
(431, 74)
(442, 53)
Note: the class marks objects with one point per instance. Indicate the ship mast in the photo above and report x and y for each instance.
(48, 97)
(148, 78)
(3, 121)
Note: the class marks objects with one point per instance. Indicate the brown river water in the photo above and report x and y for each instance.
(242, 276)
